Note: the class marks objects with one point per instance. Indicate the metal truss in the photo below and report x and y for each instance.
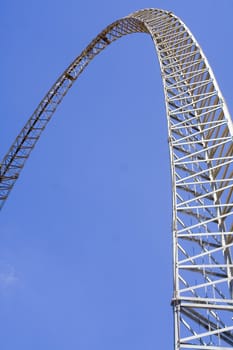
(201, 153)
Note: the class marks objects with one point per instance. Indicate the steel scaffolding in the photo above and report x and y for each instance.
(200, 133)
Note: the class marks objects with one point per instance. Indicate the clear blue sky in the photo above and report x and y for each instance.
(85, 244)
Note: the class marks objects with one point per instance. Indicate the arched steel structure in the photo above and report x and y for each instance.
(201, 153)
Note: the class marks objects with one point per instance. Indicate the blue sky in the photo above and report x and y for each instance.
(85, 253)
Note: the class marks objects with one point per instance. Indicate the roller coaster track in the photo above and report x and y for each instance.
(200, 132)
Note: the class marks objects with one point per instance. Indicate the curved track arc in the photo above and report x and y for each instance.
(201, 152)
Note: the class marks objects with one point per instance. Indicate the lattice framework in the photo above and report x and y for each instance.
(200, 134)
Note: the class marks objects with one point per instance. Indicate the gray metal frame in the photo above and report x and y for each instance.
(200, 133)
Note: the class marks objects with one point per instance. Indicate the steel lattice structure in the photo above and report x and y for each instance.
(200, 134)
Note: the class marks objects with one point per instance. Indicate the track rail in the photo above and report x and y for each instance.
(200, 135)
